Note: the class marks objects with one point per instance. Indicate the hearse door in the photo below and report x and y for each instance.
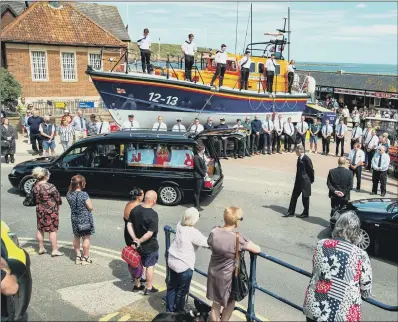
(212, 139)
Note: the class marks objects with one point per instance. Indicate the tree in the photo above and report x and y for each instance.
(10, 89)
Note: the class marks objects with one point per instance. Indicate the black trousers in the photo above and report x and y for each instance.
(189, 61)
(145, 60)
(197, 191)
(379, 176)
(325, 144)
(288, 142)
(36, 139)
(290, 79)
(300, 139)
(270, 80)
(267, 142)
(338, 142)
(370, 156)
(222, 147)
(239, 147)
(357, 172)
(244, 77)
(293, 201)
(220, 70)
(255, 142)
(337, 203)
(276, 142)
(247, 145)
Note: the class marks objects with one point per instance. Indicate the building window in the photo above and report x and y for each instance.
(68, 66)
(95, 60)
(39, 65)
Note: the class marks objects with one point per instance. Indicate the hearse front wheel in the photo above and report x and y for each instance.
(169, 195)
(27, 184)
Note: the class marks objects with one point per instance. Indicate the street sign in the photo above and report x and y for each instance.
(60, 104)
(86, 104)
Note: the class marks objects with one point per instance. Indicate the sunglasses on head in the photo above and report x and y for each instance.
(240, 219)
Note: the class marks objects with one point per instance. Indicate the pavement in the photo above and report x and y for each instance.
(261, 185)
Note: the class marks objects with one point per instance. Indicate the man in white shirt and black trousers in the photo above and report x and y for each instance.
(244, 66)
(327, 131)
(130, 124)
(159, 125)
(268, 129)
(371, 148)
(278, 130)
(270, 72)
(380, 164)
(288, 129)
(221, 61)
(341, 130)
(356, 135)
(145, 43)
(196, 127)
(301, 128)
(179, 127)
(356, 158)
(189, 49)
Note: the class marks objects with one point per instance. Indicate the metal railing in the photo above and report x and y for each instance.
(57, 107)
(253, 286)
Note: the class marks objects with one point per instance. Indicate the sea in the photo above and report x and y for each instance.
(378, 69)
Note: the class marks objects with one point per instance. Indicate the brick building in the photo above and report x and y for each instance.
(48, 45)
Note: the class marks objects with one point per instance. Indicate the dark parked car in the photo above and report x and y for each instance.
(379, 222)
(114, 163)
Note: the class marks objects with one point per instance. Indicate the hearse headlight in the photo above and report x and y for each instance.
(13, 171)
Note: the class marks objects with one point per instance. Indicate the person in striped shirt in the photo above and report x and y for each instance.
(66, 134)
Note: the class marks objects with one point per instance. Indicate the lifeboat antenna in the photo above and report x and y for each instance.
(236, 28)
(247, 28)
(288, 34)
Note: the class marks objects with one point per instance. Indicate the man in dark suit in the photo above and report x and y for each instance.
(222, 143)
(302, 185)
(339, 183)
(200, 172)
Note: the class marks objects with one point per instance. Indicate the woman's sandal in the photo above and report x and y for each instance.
(42, 251)
(78, 260)
(57, 253)
(86, 260)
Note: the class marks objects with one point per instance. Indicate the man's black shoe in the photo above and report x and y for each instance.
(152, 290)
(383, 194)
(302, 216)
(138, 288)
(358, 190)
(373, 193)
(287, 214)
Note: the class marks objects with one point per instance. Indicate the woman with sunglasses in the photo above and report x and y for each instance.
(222, 243)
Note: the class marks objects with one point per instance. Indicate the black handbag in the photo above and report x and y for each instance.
(240, 279)
(30, 199)
(5, 144)
(83, 228)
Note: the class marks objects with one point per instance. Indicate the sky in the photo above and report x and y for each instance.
(340, 32)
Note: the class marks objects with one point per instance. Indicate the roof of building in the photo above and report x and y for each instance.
(16, 7)
(367, 82)
(107, 17)
(63, 25)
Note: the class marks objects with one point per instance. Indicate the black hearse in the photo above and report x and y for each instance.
(114, 163)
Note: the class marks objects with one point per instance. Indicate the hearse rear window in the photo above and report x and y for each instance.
(159, 155)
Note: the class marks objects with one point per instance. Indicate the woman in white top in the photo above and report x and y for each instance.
(290, 75)
(66, 134)
(181, 259)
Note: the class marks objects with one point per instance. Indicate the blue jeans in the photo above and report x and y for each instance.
(177, 290)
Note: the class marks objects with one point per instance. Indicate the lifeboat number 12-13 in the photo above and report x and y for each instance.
(157, 98)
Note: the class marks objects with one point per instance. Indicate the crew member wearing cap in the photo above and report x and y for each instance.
(196, 127)
(223, 142)
(221, 61)
(270, 72)
(159, 125)
(66, 117)
(130, 124)
(244, 66)
(189, 49)
(179, 127)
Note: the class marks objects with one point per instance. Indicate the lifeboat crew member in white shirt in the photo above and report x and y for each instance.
(278, 130)
(103, 126)
(341, 130)
(357, 159)
(239, 145)
(301, 128)
(270, 72)
(179, 127)
(130, 124)
(380, 164)
(371, 149)
(159, 125)
(356, 135)
(366, 135)
(244, 66)
(189, 49)
(327, 131)
(288, 129)
(221, 61)
(290, 75)
(145, 43)
(196, 127)
(268, 129)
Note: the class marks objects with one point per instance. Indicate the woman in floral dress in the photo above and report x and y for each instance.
(341, 275)
(48, 201)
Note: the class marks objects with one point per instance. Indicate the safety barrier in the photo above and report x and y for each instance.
(253, 286)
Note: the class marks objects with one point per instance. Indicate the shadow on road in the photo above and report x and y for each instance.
(317, 221)
(276, 208)
(120, 271)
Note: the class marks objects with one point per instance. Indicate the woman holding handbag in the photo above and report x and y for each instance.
(8, 137)
(222, 242)
(82, 218)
